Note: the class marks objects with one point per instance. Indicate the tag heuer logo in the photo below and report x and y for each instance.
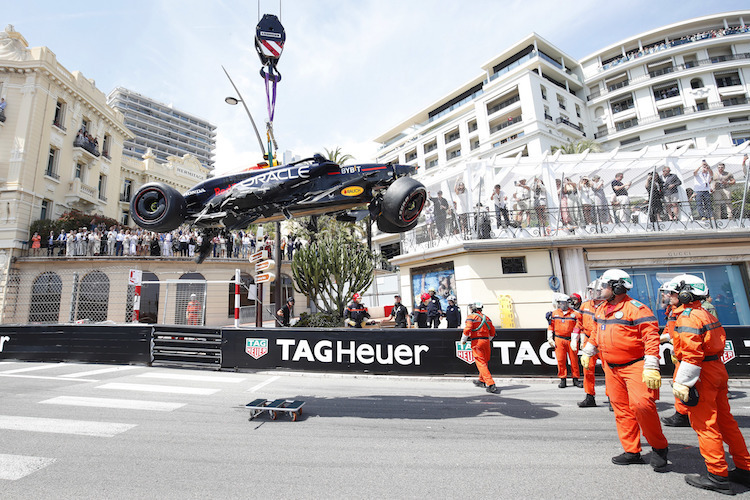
(465, 354)
(728, 353)
(256, 347)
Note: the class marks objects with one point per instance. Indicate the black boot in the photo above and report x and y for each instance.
(676, 420)
(492, 389)
(577, 383)
(588, 402)
(563, 383)
(478, 383)
(659, 459)
(628, 459)
(740, 476)
(710, 482)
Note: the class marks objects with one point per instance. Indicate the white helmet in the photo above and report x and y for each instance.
(688, 287)
(476, 306)
(618, 280)
(452, 297)
(560, 299)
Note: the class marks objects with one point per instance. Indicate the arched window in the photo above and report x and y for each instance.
(696, 83)
(45, 298)
(247, 281)
(149, 312)
(190, 310)
(599, 112)
(93, 297)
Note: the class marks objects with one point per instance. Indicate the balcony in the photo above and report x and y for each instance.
(674, 69)
(124, 198)
(82, 194)
(511, 121)
(569, 124)
(547, 116)
(502, 104)
(83, 144)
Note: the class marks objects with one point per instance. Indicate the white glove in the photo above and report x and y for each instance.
(681, 391)
(464, 338)
(350, 322)
(583, 341)
(664, 338)
(574, 342)
(550, 339)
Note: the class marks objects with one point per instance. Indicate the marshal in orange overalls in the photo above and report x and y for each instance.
(699, 342)
(481, 331)
(562, 323)
(625, 333)
(679, 406)
(586, 325)
(193, 313)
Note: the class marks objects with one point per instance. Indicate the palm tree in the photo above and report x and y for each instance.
(337, 156)
(572, 148)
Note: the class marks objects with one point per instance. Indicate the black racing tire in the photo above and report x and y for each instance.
(158, 207)
(385, 226)
(403, 201)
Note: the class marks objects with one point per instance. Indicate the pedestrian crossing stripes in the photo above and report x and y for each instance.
(14, 467)
(158, 388)
(100, 371)
(122, 404)
(193, 378)
(31, 369)
(263, 384)
(63, 426)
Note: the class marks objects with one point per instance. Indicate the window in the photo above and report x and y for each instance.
(474, 144)
(727, 79)
(630, 141)
(125, 218)
(675, 130)
(626, 124)
(411, 156)
(127, 190)
(670, 112)
(85, 124)
(578, 111)
(622, 104)
(544, 92)
(740, 137)
(93, 297)
(452, 136)
(79, 171)
(430, 146)
(560, 101)
(102, 187)
(696, 83)
(665, 91)
(59, 119)
(45, 298)
(513, 265)
(45, 210)
(106, 145)
(472, 125)
(51, 171)
(736, 119)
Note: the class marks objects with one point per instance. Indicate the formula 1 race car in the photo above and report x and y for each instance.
(314, 186)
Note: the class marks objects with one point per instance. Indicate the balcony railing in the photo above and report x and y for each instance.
(503, 104)
(582, 221)
(569, 124)
(125, 198)
(547, 116)
(54, 175)
(511, 121)
(79, 142)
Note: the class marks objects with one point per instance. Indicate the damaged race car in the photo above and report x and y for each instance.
(314, 186)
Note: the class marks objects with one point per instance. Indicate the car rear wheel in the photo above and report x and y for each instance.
(402, 203)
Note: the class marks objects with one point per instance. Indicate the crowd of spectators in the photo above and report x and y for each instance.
(120, 241)
(589, 200)
(656, 47)
(87, 141)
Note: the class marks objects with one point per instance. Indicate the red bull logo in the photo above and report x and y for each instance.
(465, 353)
(257, 348)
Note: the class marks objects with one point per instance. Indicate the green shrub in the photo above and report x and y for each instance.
(319, 320)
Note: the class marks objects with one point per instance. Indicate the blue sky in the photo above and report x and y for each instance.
(351, 69)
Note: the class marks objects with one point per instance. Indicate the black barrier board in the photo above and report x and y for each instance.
(522, 352)
(88, 343)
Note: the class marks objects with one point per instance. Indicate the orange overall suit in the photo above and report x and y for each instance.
(625, 333)
(679, 406)
(480, 330)
(587, 325)
(193, 312)
(699, 342)
(561, 325)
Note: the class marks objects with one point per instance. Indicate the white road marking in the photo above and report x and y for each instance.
(60, 426)
(158, 388)
(196, 378)
(31, 369)
(67, 379)
(100, 371)
(13, 467)
(122, 404)
(263, 384)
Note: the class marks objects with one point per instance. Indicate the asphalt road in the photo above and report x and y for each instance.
(107, 431)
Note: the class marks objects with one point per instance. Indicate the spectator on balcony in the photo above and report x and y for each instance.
(670, 183)
(440, 208)
(540, 201)
(191, 244)
(521, 197)
(133, 244)
(167, 245)
(70, 242)
(36, 244)
(145, 243)
(80, 242)
(119, 239)
(586, 196)
(570, 203)
(461, 205)
(600, 200)
(126, 243)
(655, 193)
(621, 197)
(246, 246)
(499, 198)
(92, 243)
(703, 177)
(51, 244)
(61, 242)
(223, 246)
(723, 181)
